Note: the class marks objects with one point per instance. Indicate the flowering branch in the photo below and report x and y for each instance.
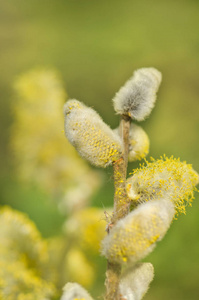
(131, 235)
(145, 203)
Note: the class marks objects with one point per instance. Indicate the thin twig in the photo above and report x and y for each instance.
(121, 208)
(125, 127)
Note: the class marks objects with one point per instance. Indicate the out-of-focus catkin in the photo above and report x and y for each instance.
(87, 227)
(41, 153)
(92, 138)
(137, 97)
(135, 236)
(25, 270)
(164, 177)
(135, 281)
(78, 268)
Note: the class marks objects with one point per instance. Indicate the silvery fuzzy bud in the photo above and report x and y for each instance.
(137, 97)
(138, 142)
(75, 291)
(135, 281)
(135, 236)
(92, 138)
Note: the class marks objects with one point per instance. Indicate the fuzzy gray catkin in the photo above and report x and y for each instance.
(92, 138)
(137, 97)
(72, 291)
(138, 142)
(135, 236)
(135, 281)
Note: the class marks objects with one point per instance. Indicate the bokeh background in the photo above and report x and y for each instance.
(95, 46)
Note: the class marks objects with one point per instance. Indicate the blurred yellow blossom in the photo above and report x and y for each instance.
(70, 262)
(24, 260)
(41, 152)
(87, 227)
(78, 268)
(19, 282)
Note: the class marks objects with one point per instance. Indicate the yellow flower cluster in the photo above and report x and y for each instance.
(70, 262)
(92, 138)
(76, 251)
(87, 226)
(135, 236)
(78, 268)
(24, 270)
(165, 177)
(41, 152)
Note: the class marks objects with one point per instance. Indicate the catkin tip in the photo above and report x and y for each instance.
(137, 97)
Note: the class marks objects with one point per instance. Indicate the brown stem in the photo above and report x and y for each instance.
(120, 197)
(121, 208)
(121, 202)
(112, 281)
(124, 129)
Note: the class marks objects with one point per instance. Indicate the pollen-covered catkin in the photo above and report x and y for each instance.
(138, 142)
(92, 138)
(137, 97)
(135, 281)
(164, 177)
(135, 236)
(74, 291)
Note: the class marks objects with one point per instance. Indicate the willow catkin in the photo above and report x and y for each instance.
(92, 138)
(137, 97)
(138, 142)
(164, 177)
(135, 236)
(135, 281)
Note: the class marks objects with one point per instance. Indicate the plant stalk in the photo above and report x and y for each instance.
(121, 208)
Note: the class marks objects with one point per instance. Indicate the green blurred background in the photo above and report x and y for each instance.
(96, 45)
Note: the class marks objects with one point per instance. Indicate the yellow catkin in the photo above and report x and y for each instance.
(24, 260)
(87, 227)
(78, 269)
(164, 177)
(40, 150)
(92, 138)
(135, 236)
(21, 234)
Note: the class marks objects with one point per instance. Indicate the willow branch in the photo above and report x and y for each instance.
(121, 208)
